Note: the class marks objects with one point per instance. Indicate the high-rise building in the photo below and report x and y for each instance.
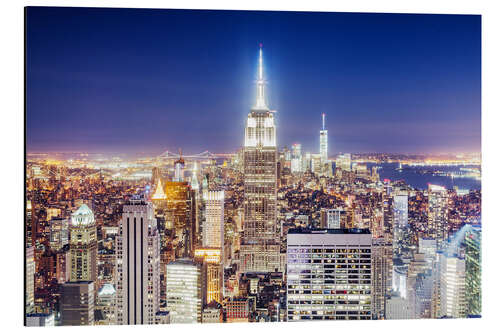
(259, 250)
(237, 310)
(428, 247)
(77, 303)
(29, 224)
(195, 185)
(400, 226)
(343, 162)
(63, 266)
(452, 286)
(211, 259)
(397, 308)
(323, 142)
(329, 274)
(296, 162)
(105, 305)
(307, 162)
(419, 286)
(30, 279)
(40, 319)
(83, 245)
(437, 212)
(213, 229)
(155, 175)
(138, 264)
(184, 291)
(159, 193)
(212, 314)
(382, 262)
(331, 218)
(181, 209)
(59, 233)
(317, 164)
(179, 169)
(472, 242)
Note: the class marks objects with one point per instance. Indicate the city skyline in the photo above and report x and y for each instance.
(151, 93)
(265, 234)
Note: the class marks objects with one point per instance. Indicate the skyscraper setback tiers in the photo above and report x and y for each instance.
(259, 249)
(264, 234)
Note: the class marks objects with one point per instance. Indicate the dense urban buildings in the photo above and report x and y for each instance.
(266, 233)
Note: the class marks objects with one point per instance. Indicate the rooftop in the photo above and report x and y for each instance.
(328, 231)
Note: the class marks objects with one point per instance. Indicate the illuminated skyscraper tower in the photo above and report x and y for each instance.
(194, 178)
(323, 142)
(437, 211)
(296, 163)
(213, 230)
(179, 168)
(83, 245)
(473, 270)
(138, 264)
(259, 245)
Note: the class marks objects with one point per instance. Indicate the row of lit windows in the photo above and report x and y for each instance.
(292, 270)
(342, 249)
(340, 292)
(326, 286)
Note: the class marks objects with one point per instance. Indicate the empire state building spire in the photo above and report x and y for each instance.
(261, 99)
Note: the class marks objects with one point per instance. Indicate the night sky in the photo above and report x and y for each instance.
(130, 80)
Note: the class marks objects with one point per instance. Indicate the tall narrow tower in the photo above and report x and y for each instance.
(259, 246)
(83, 245)
(138, 264)
(323, 141)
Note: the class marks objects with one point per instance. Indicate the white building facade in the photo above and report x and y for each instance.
(138, 265)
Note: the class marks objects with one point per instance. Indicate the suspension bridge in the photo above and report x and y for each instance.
(205, 155)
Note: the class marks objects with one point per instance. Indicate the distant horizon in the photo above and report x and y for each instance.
(122, 81)
(235, 151)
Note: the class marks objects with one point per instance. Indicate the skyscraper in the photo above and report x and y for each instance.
(159, 193)
(184, 291)
(181, 204)
(214, 274)
(30, 279)
(259, 249)
(213, 229)
(331, 218)
(452, 286)
(329, 274)
(179, 169)
(343, 162)
(58, 233)
(382, 265)
(400, 211)
(437, 213)
(473, 270)
(195, 185)
(83, 245)
(296, 163)
(138, 264)
(323, 142)
(77, 303)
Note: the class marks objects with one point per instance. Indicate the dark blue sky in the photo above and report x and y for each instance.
(130, 80)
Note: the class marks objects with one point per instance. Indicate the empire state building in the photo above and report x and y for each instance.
(260, 250)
